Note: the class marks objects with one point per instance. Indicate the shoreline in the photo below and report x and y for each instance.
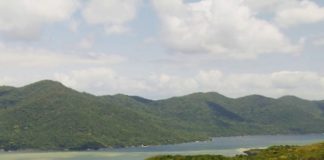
(120, 149)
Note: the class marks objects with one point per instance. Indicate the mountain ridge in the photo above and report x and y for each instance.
(57, 83)
(47, 115)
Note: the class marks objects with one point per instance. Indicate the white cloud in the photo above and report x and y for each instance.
(289, 13)
(304, 84)
(73, 26)
(25, 18)
(86, 42)
(101, 81)
(226, 28)
(116, 29)
(150, 41)
(319, 41)
(162, 84)
(106, 81)
(269, 5)
(112, 14)
(295, 80)
(305, 12)
(7, 81)
(14, 57)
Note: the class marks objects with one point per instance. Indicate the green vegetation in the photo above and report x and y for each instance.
(309, 152)
(49, 116)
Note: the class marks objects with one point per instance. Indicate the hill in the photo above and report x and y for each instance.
(46, 115)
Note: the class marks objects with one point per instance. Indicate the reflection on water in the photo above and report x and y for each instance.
(223, 145)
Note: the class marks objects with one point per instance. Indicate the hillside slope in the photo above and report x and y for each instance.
(49, 116)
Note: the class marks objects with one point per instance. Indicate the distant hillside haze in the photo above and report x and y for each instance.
(46, 115)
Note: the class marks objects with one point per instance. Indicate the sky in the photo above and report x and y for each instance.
(164, 48)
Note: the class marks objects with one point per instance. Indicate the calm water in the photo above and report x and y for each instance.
(224, 145)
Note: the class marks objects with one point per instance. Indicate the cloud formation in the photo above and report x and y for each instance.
(112, 14)
(304, 12)
(101, 80)
(73, 49)
(25, 18)
(289, 13)
(106, 80)
(29, 57)
(226, 28)
(318, 41)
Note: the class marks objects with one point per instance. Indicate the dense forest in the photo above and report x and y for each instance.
(46, 115)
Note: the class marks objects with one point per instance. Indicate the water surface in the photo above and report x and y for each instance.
(222, 145)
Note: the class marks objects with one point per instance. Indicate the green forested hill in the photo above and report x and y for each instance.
(47, 115)
(309, 152)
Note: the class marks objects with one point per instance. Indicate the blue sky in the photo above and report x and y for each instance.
(164, 48)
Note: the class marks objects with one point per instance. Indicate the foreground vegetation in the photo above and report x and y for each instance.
(49, 116)
(309, 152)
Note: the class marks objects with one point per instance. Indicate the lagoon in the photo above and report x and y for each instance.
(228, 146)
